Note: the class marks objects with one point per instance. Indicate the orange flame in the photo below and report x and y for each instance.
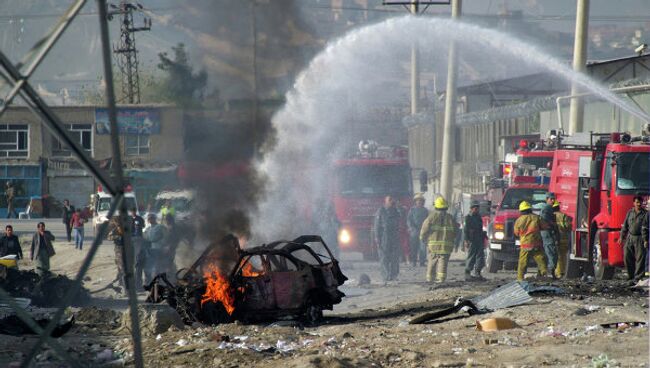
(249, 271)
(218, 289)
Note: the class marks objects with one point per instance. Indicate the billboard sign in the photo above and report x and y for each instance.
(130, 120)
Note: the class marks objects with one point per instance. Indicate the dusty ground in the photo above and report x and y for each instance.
(370, 327)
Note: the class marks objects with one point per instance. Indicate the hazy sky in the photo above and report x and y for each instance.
(217, 33)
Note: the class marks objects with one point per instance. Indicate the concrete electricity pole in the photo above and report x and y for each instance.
(415, 67)
(448, 141)
(576, 109)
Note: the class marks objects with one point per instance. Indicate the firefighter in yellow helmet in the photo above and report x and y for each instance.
(564, 226)
(527, 229)
(438, 231)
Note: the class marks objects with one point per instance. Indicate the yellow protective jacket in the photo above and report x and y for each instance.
(439, 231)
(527, 229)
(564, 225)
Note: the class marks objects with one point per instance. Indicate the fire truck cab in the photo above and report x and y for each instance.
(359, 185)
(597, 177)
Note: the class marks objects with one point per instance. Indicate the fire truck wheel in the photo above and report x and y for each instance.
(601, 270)
(493, 265)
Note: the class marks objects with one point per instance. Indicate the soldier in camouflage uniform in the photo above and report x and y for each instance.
(386, 230)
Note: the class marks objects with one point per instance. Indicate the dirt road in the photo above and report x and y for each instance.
(370, 327)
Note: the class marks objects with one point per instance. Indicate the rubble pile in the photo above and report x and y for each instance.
(48, 292)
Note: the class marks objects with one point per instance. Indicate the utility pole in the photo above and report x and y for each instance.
(415, 67)
(576, 109)
(448, 141)
(413, 6)
(125, 51)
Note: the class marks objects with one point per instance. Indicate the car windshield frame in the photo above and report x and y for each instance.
(373, 180)
(507, 204)
(633, 172)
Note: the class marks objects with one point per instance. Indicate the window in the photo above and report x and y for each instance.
(81, 133)
(14, 140)
(137, 144)
(373, 180)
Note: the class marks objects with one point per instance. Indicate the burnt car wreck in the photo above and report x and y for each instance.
(295, 279)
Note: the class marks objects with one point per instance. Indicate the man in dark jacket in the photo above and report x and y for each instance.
(68, 211)
(474, 244)
(10, 244)
(140, 251)
(42, 250)
(416, 216)
(386, 230)
(635, 234)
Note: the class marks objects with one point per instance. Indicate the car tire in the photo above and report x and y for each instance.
(601, 271)
(314, 314)
(493, 265)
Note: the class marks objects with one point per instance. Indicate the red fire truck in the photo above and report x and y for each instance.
(595, 178)
(525, 178)
(359, 185)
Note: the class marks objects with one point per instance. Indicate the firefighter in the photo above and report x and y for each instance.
(549, 232)
(527, 229)
(386, 229)
(563, 223)
(634, 232)
(417, 215)
(439, 231)
(474, 244)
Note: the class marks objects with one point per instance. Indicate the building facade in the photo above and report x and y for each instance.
(40, 166)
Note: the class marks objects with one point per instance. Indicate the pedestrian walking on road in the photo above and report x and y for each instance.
(474, 244)
(439, 232)
(77, 222)
(528, 229)
(10, 195)
(10, 244)
(564, 227)
(386, 230)
(549, 232)
(68, 211)
(414, 220)
(42, 250)
(634, 234)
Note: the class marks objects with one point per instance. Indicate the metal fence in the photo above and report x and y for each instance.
(14, 81)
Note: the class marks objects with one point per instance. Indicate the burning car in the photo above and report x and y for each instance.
(285, 279)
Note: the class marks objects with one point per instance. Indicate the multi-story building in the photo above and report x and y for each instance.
(39, 165)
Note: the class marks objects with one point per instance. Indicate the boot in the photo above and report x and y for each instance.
(477, 277)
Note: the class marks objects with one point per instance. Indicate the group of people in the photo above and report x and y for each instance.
(432, 237)
(41, 249)
(154, 246)
(544, 237)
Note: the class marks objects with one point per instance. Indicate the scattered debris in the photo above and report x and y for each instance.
(43, 292)
(13, 325)
(509, 295)
(154, 318)
(496, 324)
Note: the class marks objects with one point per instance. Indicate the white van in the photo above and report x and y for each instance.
(180, 200)
(102, 203)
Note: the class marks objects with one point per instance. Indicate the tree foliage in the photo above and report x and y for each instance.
(182, 85)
